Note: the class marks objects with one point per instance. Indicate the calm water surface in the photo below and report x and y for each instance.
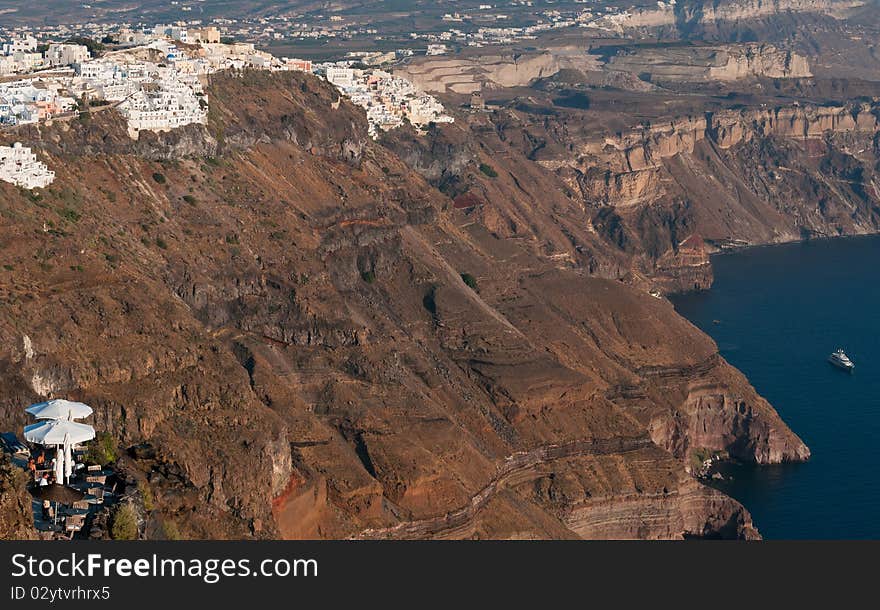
(780, 311)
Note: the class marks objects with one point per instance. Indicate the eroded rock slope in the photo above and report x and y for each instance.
(293, 334)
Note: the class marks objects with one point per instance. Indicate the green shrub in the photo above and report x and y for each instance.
(470, 280)
(125, 523)
(170, 530)
(146, 495)
(189, 199)
(161, 243)
(159, 178)
(102, 450)
(488, 170)
(699, 456)
(368, 276)
(70, 214)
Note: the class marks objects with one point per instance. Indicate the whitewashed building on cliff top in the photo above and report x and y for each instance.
(19, 166)
(171, 104)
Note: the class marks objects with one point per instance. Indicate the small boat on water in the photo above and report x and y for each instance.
(841, 360)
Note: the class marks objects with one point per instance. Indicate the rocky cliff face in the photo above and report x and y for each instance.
(466, 75)
(710, 63)
(685, 16)
(293, 331)
(733, 177)
(16, 516)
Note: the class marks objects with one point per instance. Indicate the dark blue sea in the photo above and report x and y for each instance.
(777, 312)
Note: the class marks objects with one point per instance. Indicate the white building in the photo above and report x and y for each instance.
(19, 166)
(170, 105)
(387, 99)
(25, 44)
(344, 78)
(67, 54)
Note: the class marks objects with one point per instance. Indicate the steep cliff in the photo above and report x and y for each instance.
(291, 333)
(686, 16)
(710, 63)
(733, 177)
(469, 74)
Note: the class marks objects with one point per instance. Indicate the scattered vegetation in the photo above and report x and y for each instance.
(698, 459)
(190, 199)
(488, 170)
(94, 47)
(102, 450)
(470, 280)
(110, 195)
(69, 214)
(159, 178)
(125, 523)
(161, 243)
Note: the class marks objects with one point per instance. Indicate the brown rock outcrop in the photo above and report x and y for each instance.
(16, 515)
(710, 63)
(465, 74)
(744, 176)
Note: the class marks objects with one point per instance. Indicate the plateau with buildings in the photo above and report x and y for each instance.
(388, 100)
(157, 84)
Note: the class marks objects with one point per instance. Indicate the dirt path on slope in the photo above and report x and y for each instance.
(516, 469)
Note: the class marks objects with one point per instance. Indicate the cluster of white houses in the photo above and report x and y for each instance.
(25, 101)
(19, 166)
(389, 100)
(159, 86)
(171, 104)
(22, 55)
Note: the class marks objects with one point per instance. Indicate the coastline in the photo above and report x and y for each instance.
(773, 317)
(742, 246)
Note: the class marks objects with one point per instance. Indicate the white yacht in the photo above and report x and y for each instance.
(841, 360)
